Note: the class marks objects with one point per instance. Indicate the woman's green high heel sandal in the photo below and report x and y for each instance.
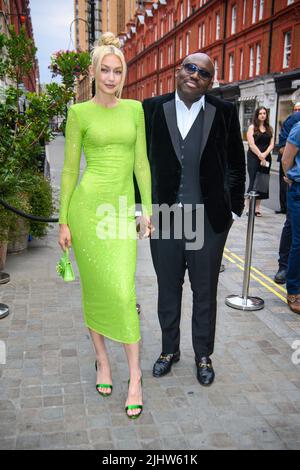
(108, 386)
(134, 407)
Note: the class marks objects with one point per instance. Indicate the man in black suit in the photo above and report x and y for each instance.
(197, 158)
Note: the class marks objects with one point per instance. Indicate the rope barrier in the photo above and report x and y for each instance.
(27, 216)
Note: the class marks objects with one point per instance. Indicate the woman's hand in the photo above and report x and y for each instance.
(261, 157)
(65, 240)
(144, 227)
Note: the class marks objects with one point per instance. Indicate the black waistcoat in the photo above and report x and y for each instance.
(189, 191)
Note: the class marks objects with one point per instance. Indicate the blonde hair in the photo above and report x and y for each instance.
(109, 44)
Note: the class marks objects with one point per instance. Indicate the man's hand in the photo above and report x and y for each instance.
(65, 240)
(287, 180)
(145, 227)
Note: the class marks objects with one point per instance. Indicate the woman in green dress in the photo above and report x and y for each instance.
(98, 216)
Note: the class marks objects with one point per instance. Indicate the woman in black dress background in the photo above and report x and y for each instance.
(260, 138)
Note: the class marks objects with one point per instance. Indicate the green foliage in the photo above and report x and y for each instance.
(19, 55)
(9, 220)
(41, 202)
(26, 128)
(70, 65)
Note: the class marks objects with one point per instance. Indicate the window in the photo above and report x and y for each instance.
(155, 32)
(160, 87)
(181, 12)
(170, 21)
(258, 59)
(261, 9)
(249, 109)
(154, 89)
(287, 49)
(251, 68)
(187, 49)
(161, 59)
(180, 48)
(241, 63)
(201, 42)
(289, 2)
(254, 11)
(161, 28)
(155, 61)
(218, 26)
(216, 65)
(244, 12)
(188, 8)
(231, 67)
(200, 36)
(170, 50)
(169, 85)
(233, 20)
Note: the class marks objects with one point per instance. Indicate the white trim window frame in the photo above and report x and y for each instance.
(218, 26)
(261, 9)
(254, 11)
(231, 67)
(233, 19)
(258, 59)
(251, 62)
(287, 49)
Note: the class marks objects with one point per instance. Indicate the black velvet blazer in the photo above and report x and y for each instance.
(222, 166)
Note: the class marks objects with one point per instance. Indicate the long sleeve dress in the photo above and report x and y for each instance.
(100, 210)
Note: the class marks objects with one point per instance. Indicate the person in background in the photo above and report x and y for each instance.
(286, 127)
(291, 167)
(286, 234)
(260, 138)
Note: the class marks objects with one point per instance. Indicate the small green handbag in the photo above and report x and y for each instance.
(64, 267)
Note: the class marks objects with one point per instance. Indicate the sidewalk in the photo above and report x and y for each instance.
(47, 387)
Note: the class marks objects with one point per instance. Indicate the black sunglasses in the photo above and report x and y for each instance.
(192, 68)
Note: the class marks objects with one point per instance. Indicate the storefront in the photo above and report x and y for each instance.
(288, 91)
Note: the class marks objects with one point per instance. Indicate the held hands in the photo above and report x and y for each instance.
(64, 237)
(144, 227)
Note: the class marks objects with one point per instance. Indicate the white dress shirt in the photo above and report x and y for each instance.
(186, 117)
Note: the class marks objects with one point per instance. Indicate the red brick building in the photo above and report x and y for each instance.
(17, 13)
(254, 44)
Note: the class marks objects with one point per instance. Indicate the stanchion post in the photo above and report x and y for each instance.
(244, 302)
(4, 310)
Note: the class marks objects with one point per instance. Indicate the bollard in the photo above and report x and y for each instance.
(244, 302)
(4, 310)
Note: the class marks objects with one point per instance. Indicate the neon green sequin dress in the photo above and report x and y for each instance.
(100, 210)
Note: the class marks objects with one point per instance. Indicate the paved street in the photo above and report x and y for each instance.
(47, 387)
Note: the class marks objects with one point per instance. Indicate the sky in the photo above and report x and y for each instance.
(51, 21)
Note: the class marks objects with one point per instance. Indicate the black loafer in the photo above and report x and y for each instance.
(280, 211)
(205, 371)
(164, 363)
(280, 276)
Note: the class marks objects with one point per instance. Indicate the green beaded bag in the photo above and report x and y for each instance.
(64, 267)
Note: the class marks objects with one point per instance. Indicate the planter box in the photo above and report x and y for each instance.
(3, 251)
(18, 237)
